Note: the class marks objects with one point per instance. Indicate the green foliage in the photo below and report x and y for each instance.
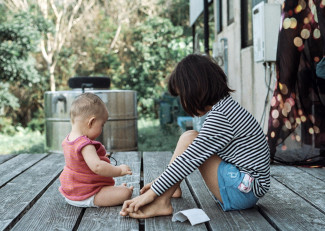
(6, 98)
(90, 54)
(21, 84)
(18, 38)
(6, 126)
(23, 141)
(38, 121)
(156, 48)
(145, 52)
(2, 13)
(178, 13)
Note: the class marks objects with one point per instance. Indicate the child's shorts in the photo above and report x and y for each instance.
(235, 188)
(89, 202)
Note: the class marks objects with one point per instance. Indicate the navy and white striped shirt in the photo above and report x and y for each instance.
(233, 134)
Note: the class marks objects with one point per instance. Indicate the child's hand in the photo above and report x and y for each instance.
(146, 187)
(125, 170)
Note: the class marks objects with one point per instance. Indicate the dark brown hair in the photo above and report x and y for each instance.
(199, 82)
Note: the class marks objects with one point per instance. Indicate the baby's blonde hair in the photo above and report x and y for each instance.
(86, 105)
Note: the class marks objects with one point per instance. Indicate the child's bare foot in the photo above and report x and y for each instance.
(156, 208)
(177, 193)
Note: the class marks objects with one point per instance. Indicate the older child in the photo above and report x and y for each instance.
(87, 178)
(230, 150)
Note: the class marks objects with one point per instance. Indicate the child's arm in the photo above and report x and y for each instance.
(101, 167)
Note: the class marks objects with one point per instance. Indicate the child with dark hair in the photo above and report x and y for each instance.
(230, 150)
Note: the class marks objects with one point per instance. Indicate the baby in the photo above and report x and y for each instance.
(87, 178)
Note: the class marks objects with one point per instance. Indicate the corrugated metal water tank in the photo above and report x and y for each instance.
(120, 132)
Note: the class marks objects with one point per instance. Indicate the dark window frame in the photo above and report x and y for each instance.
(230, 18)
(219, 16)
(246, 21)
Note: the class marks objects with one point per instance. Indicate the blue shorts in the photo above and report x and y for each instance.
(230, 179)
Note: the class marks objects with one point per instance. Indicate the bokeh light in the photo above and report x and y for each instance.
(303, 118)
(297, 41)
(298, 121)
(291, 101)
(316, 129)
(288, 124)
(306, 20)
(286, 23)
(316, 33)
(305, 33)
(303, 4)
(276, 123)
(293, 23)
(298, 9)
(287, 107)
(298, 138)
(283, 89)
(275, 114)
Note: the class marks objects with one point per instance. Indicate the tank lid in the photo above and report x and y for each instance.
(89, 82)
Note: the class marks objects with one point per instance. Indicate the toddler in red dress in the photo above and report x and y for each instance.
(87, 177)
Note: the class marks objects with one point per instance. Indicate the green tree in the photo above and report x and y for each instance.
(153, 48)
(64, 15)
(19, 38)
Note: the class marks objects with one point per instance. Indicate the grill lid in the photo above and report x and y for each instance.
(89, 82)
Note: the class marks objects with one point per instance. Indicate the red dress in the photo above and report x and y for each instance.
(78, 182)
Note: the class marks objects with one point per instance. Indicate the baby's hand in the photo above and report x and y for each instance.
(125, 170)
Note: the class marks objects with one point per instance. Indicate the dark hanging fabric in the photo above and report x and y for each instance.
(299, 95)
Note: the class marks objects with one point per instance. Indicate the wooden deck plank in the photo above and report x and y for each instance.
(108, 218)
(29, 198)
(154, 163)
(50, 212)
(14, 166)
(319, 173)
(20, 194)
(301, 182)
(249, 219)
(4, 158)
(288, 211)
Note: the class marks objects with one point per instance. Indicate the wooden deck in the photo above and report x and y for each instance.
(29, 198)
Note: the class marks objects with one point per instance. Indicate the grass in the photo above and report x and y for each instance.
(151, 137)
(23, 141)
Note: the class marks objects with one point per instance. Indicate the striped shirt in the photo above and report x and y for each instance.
(233, 134)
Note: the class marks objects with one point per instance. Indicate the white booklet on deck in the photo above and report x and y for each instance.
(195, 216)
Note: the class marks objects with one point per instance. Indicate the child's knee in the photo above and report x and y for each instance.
(189, 136)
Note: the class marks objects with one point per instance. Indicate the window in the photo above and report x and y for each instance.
(230, 11)
(246, 21)
(218, 16)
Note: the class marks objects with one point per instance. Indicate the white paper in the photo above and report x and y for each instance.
(195, 216)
